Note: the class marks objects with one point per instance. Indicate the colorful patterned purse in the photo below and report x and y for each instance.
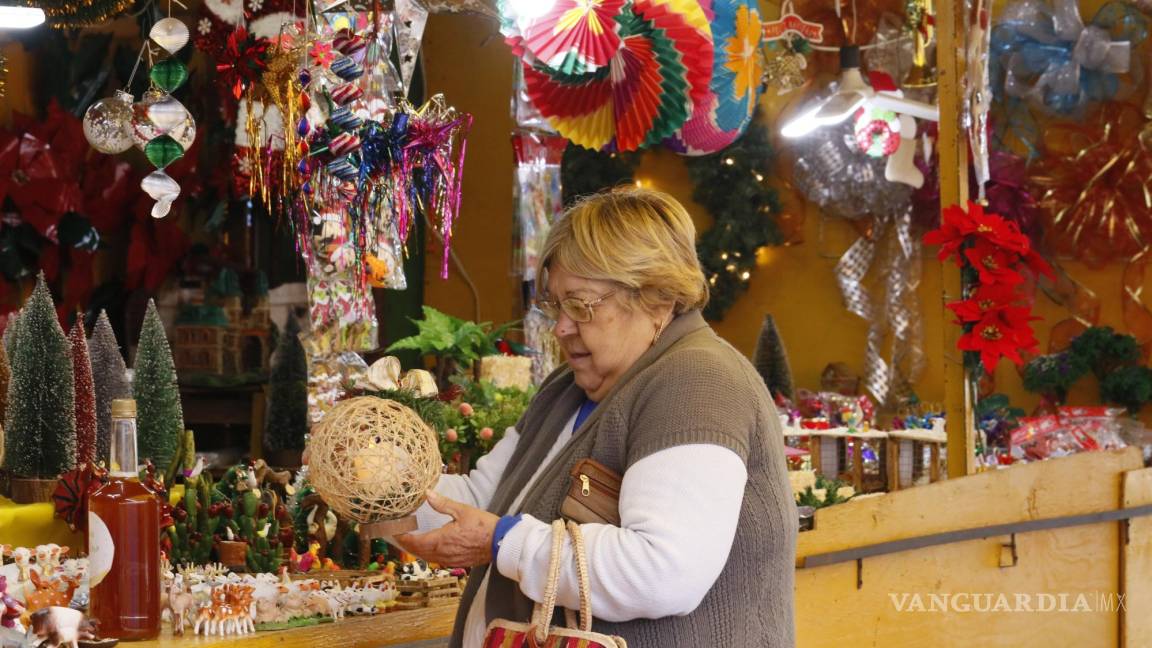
(538, 633)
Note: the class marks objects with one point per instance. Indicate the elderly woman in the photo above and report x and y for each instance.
(704, 554)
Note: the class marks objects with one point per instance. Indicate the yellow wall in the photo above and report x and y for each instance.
(467, 61)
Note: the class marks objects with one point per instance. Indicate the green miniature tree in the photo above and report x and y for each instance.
(288, 392)
(4, 375)
(159, 417)
(40, 439)
(85, 395)
(10, 332)
(771, 359)
(110, 379)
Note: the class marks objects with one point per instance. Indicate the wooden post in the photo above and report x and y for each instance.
(814, 453)
(892, 452)
(951, 47)
(857, 462)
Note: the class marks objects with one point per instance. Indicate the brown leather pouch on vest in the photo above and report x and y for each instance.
(594, 495)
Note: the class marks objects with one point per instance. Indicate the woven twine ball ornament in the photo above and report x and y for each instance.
(372, 460)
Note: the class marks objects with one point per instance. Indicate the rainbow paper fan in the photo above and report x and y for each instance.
(722, 116)
(643, 99)
(573, 38)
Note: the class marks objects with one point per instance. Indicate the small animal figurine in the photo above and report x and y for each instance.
(180, 601)
(310, 560)
(48, 557)
(49, 593)
(56, 626)
(209, 615)
(22, 558)
(265, 476)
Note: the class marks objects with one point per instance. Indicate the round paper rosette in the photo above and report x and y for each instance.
(645, 94)
(573, 37)
(723, 114)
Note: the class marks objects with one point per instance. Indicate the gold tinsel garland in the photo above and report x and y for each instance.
(3, 76)
(69, 14)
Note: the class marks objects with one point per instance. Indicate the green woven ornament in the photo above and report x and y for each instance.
(163, 151)
(169, 74)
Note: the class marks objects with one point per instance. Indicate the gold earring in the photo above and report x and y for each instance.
(659, 331)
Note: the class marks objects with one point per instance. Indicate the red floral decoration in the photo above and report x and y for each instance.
(992, 253)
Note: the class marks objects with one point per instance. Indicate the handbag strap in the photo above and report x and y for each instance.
(542, 611)
(582, 574)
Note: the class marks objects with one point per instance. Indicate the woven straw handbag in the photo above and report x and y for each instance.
(539, 633)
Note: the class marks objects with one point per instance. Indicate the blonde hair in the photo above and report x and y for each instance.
(641, 239)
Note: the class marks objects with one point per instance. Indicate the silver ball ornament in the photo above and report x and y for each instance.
(108, 122)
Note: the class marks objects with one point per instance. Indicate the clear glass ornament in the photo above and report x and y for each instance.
(144, 130)
(107, 124)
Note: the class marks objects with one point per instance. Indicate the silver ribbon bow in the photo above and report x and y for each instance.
(894, 321)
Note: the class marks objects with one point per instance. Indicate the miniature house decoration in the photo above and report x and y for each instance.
(222, 331)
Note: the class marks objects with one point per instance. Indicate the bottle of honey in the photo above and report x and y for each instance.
(124, 541)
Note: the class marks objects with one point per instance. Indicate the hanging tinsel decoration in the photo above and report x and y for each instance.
(72, 14)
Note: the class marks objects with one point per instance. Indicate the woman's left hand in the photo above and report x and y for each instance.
(466, 541)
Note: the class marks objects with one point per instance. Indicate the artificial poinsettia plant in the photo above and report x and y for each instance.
(994, 256)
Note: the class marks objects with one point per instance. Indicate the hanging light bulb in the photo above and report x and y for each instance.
(852, 94)
(20, 17)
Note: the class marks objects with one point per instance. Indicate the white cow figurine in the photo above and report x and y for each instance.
(55, 626)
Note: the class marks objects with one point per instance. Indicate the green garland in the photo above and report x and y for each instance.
(730, 184)
(1112, 357)
(584, 171)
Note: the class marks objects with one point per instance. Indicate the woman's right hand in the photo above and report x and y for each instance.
(466, 541)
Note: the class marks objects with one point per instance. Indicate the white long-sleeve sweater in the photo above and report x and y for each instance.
(678, 513)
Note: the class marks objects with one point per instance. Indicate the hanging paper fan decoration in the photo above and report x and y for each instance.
(686, 25)
(646, 92)
(70, 497)
(722, 116)
(575, 37)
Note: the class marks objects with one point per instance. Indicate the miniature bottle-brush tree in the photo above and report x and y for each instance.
(288, 392)
(771, 359)
(109, 378)
(85, 395)
(40, 427)
(4, 373)
(159, 417)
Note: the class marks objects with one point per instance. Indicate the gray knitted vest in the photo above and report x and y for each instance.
(690, 387)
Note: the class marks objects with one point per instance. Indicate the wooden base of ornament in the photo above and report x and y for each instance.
(31, 491)
(384, 529)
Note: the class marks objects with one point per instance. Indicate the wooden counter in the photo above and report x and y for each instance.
(1056, 527)
(390, 629)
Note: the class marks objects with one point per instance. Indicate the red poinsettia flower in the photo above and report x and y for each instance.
(1001, 333)
(999, 231)
(983, 301)
(995, 264)
(956, 224)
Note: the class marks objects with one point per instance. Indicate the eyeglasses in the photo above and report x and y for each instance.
(578, 310)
